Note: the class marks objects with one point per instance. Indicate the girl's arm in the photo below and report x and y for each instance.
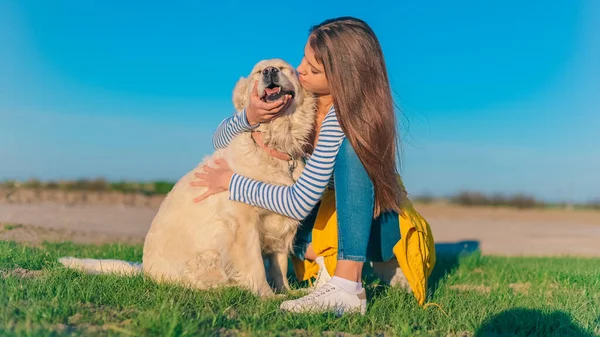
(295, 201)
(262, 112)
(231, 127)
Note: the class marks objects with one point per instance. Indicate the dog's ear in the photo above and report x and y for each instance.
(241, 94)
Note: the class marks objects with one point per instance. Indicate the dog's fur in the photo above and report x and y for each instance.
(218, 241)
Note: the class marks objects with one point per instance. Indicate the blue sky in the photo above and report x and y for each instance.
(496, 96)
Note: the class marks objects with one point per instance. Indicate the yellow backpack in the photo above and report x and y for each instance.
(415, 251)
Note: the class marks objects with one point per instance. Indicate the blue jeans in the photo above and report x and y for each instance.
(360, 237)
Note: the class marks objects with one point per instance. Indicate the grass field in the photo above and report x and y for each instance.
(478, 296)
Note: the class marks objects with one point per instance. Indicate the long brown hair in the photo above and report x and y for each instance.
(354, 67)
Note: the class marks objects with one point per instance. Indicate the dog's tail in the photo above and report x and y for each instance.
(95, 266)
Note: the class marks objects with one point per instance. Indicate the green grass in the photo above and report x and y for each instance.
(9, 227)
(478, 294)
(158, 187)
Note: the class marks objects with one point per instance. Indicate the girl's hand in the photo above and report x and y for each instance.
(216, 179)
(262, 112)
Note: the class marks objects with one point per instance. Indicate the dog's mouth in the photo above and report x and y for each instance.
(274, 92)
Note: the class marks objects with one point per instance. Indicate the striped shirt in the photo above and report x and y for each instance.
(295, 201)
(231, 127)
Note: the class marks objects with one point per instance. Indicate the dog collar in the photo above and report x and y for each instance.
(257, 137)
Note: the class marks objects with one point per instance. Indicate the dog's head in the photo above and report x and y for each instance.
(290, 130)
(275, 77)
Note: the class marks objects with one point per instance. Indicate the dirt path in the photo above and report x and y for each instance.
(503, 231)
(494, 230)
(84, 223)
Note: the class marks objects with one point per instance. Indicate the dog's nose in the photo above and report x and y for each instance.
(270, 71)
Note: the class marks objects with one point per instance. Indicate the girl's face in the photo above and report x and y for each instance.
(312, 74)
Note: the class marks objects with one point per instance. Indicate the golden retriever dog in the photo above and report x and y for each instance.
(220, 242)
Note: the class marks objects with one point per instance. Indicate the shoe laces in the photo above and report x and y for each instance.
(318, 292)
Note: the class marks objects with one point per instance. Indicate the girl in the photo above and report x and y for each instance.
(355, 147)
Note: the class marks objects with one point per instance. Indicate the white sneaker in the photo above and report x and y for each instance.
(328, 297)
